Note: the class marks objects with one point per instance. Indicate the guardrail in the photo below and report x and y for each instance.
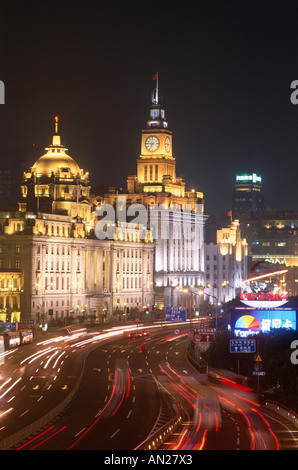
(283, 411)
(156, 439)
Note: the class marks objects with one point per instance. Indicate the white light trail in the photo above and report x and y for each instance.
(8, 390)
(58, 358)
(50, 358)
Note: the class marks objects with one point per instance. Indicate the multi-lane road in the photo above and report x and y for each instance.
(103, 390)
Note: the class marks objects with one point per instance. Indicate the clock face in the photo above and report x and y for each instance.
(152, 143)
(168, 144)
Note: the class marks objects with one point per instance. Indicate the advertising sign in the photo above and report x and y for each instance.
(263, 300)
(248, 322)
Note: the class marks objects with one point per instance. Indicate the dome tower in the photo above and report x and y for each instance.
(55, 184)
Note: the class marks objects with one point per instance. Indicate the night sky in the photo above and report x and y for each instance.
(225, 70)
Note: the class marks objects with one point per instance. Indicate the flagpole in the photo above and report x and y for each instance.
(155, 94)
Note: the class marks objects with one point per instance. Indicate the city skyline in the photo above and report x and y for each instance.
(149, 246)
(225, 77)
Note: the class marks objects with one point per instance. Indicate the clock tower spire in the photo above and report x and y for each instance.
(157, 112)
(156, 159)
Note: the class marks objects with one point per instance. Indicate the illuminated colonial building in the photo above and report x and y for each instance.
(179, 241)
(226, 264)
(51, 264)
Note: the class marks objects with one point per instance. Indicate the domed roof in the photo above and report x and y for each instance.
(55, 160)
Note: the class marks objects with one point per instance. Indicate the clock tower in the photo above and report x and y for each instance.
(156, 159)
(179, 250)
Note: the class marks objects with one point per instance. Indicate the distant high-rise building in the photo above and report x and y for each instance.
(248, 195)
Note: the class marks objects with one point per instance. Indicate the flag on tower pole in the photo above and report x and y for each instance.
(155, 77)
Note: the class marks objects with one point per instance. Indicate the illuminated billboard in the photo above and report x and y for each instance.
(262, 300)
(245, 178)
(249, 322)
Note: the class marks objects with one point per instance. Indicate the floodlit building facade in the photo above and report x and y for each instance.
(52, 266)
(225, 264)
(175, 215)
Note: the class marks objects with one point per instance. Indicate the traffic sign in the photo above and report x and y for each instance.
(204, 334)
(254, 372)
(242, 345)
(258, 358)
(258, 366)
(175, 314)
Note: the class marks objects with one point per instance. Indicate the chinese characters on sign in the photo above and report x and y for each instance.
(242, 345)
(268, 323)
(204, 335)
(245, 323)
(175, 314)
(262, 296)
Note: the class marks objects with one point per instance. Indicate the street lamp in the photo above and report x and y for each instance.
(228, 284)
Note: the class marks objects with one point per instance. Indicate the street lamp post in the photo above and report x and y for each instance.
(192, 292)
(202, 292)
(228, 284)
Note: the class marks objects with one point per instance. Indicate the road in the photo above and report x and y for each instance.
(128, 390)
